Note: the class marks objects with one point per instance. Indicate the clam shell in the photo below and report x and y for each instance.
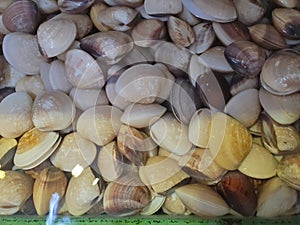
(33, 85)
(140, 77)
(53, 110)
(109, 47)
(154, 7)
(283, 109)
(87, 98)
(229, 142)
(100, 124)
(15, 110)
(110, 162)
(152, 176)
(239, 83)
(245, 58)
(244, 106)
(174, 206)
(259, 163)
(82, 70)
(141, 115)
(82, 193)
(16, 188)
(47, 6)
(280, 73)
(170, 134)
(238, 192)
(34, 147)
(202, 200)
(96, 9)
(74, 6)
(155, 204)
(215, 10)
(205, 36)
(267, 36)
(51, 180)
(58, 78)
(228, 33)
(181, 33)
(56, 36)
(21, 16)
(126, 196)
(148, 32)
(288, 170)
(74, 150)
(22, 52)
(287, 22)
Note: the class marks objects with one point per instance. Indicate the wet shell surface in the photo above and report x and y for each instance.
(100, 124)
(16, 188)
(53, 110)
(15, 115)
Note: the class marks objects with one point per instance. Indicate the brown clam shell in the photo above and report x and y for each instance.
(74, 6)
(21, 16)
(245, 58)
(238, 191)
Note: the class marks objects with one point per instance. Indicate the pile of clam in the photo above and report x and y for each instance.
(132, 107)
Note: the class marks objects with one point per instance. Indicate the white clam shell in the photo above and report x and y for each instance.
(100, 124)
(82, 70)
(140, 115)
(58, 78)
(56, 36)
(53, 110)
(22, 52)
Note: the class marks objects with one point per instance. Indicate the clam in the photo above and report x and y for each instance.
(82, 70)
(204, 37)
(183, 100)
(238, 192)
(170, 134)
(15, 114)
(109, 47)
(47, 6)
(33, 85)
(74, 6)
(244, 106)
(22, 52)
(118, 18)
(56, 36)
(58, 77)
(152, 176)
(259, 163)
(288, 170)
(199, 164)
(83, 192)
(202, 200)
(245, 57)
(74, 150)
(83, 23)
(140, 83)
(100, 124)
(141, 115)
(267, 36)
(34, 147)
(155, 204)
(275, 198)
(51, 180)
(283, 109)
(87, 98)
(181, 33)
(287, 22)
(148, 32)
(174, 206)
(280, 74)
(249, 11)
(16, 188)
(96, 9)
(214, 58)
(126, 196)
(228, 33)
(21, 16)
(229, 142)
(110, 162)
(53, 110)
(160, 7)
(215, 10)
(7, 152)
